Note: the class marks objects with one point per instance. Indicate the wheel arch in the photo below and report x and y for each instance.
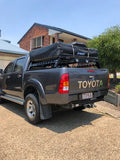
(35, 87)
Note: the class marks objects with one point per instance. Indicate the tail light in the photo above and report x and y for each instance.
(64, 83)
(108, 84)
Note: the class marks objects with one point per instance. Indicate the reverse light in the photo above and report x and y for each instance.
(108, 84)
(64, 83)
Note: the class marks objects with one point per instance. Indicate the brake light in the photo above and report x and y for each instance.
(108, 84)
(91, 70)
(64, 83)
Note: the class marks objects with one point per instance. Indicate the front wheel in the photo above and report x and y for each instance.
(1, 100)
(32, 109)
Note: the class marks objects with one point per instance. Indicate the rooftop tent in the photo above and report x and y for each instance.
(59, 49)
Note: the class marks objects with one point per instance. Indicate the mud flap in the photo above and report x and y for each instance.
(45, 112)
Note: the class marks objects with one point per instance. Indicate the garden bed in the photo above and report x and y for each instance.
(112, 96)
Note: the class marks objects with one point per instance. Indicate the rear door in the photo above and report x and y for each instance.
(85, 80)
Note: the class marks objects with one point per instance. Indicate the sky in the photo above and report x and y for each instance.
(85, 17)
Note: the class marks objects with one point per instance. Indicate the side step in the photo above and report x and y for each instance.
(13, 99)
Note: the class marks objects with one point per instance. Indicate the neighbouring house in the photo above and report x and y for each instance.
(40, 35)
(9, 52)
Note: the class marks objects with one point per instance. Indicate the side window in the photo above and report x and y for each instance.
(9, 68)
(19, 65)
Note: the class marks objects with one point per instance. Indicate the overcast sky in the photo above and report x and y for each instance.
(85, 17)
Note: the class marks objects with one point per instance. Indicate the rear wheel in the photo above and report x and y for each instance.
(32, 109)
(80, 108)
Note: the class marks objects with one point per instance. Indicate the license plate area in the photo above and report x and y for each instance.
(87, 95)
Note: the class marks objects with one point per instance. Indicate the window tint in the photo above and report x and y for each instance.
(9, 68)
(19, 65)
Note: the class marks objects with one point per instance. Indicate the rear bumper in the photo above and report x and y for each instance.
(97, 96)
(63, 99)
(88, 101)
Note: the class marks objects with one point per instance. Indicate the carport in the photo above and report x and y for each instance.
(9, 52)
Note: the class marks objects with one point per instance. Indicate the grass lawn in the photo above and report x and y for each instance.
(111, 76)
(113, 84)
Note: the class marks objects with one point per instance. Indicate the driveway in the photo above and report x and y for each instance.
(69, 135)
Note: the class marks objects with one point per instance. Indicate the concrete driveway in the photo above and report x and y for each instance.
(69, 135)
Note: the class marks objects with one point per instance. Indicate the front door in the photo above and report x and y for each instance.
(13, 80)
(7, 78)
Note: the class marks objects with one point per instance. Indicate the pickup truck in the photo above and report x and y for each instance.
(62, 75)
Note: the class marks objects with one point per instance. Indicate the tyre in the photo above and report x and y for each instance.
(1, 100)
(80, 108)
(32, 109)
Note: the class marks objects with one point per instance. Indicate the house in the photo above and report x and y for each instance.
(9, 52)
(40, 35)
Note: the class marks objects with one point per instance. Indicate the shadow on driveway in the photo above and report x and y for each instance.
(61, 121)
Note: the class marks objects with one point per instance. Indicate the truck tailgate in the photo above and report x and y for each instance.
(85, 80)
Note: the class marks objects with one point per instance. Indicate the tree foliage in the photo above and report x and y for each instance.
(108, 45)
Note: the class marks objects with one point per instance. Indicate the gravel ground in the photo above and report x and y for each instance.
(69, 135)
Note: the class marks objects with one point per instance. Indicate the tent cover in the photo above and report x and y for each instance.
(59, 49)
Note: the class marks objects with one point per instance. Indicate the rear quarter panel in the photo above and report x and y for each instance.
(49, 79)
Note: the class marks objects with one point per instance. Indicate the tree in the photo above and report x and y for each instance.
(108, 45)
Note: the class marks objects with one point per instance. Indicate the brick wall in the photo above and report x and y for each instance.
(56, 37)
(35, 31)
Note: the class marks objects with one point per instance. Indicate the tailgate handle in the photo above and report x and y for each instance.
(8, 77)
(91, 77)
(19, 76)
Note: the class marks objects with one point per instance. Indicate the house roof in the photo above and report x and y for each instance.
(54, 28)
(7, 47)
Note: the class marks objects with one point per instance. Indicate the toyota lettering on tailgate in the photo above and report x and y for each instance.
(90, 84)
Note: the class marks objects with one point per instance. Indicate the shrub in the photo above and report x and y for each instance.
(117, 87)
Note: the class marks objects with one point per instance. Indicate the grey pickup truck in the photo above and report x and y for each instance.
(62, 75)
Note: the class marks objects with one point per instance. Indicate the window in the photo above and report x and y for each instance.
(19, 65)
(9, 68)
(37, 42)
(53, 40)
(61, 40)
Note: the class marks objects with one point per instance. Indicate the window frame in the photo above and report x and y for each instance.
(16, 64)
(8, 66)
(36, 42)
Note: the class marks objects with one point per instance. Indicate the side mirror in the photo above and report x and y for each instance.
(1, 71)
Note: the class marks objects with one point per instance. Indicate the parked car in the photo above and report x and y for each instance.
(66, 75)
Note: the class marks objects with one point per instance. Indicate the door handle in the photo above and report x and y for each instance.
(19, 76)
(8, 77)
